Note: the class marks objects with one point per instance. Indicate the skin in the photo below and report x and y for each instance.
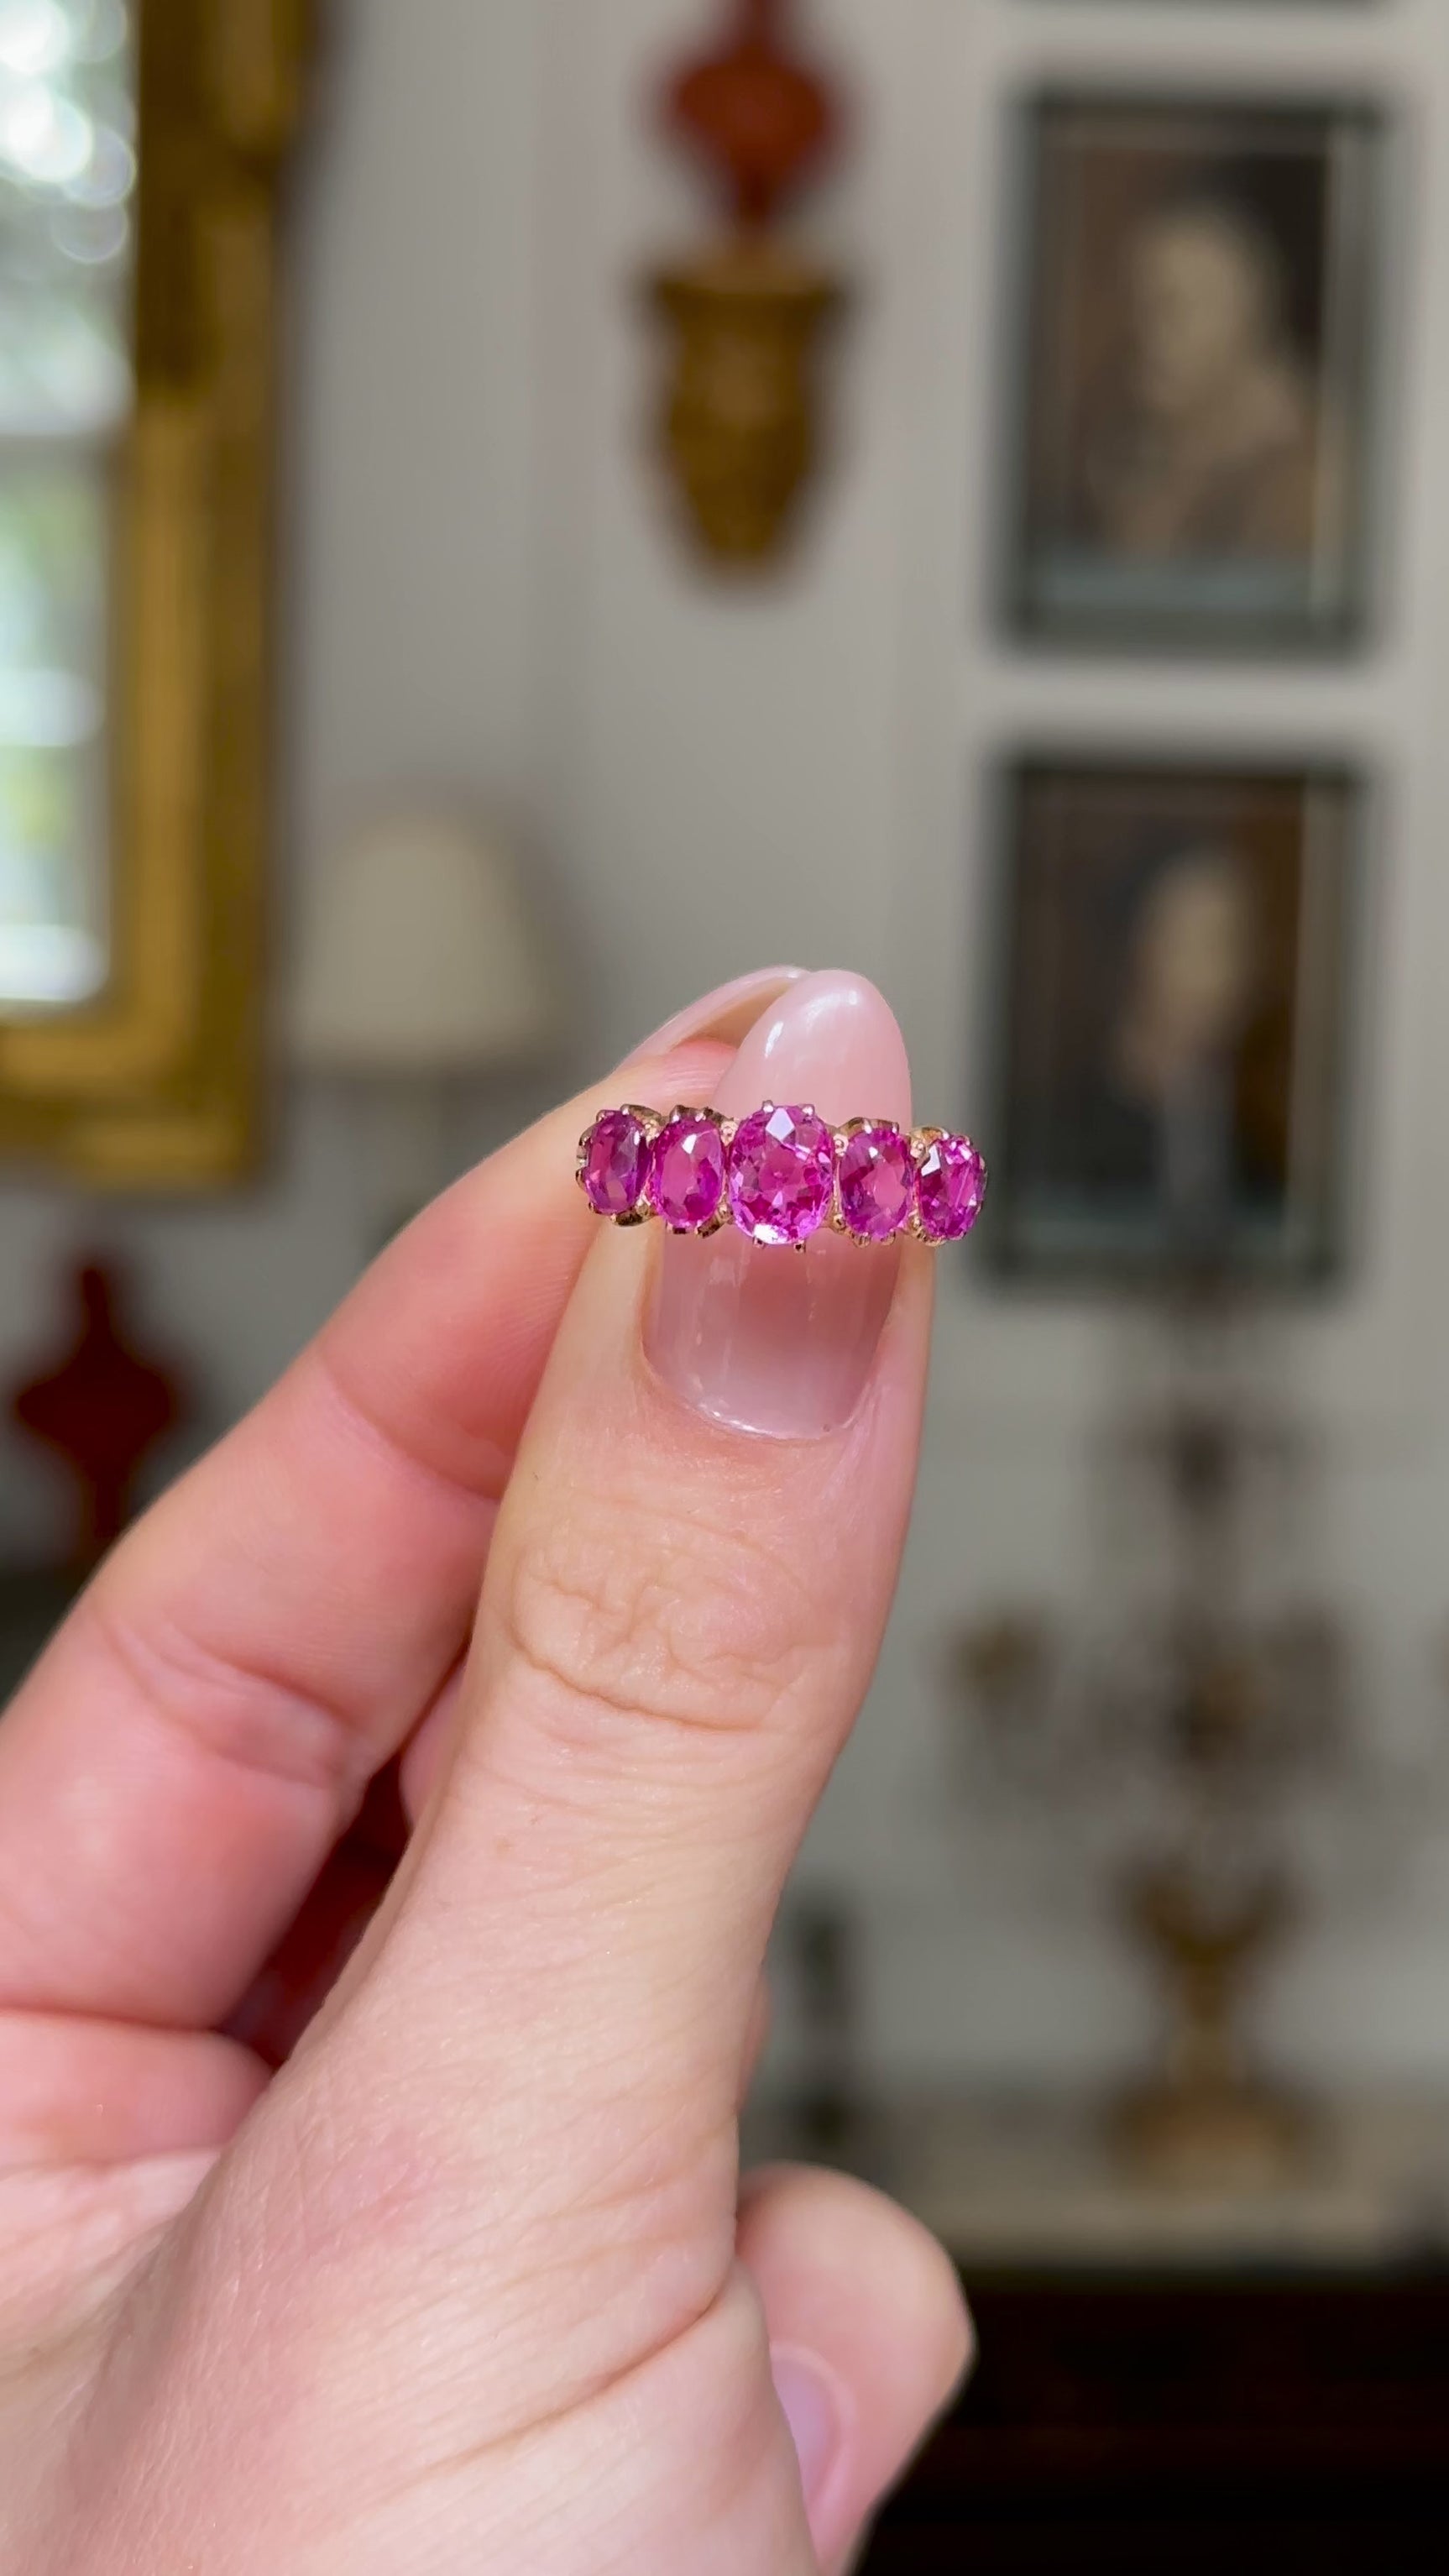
(348, 2235)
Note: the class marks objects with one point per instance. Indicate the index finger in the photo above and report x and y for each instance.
(201, 1730)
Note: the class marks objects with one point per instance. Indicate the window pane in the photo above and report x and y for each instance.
(53, 548)
(67, 180)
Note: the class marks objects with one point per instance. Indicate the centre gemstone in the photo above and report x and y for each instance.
(782, 1175)
(877, 1183)
(687, 1174)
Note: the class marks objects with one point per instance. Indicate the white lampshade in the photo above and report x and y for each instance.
(420, 955)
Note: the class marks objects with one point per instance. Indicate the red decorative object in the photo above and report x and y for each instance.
(758, 115)
(103, 1408)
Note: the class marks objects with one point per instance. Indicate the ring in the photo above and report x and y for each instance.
(781, 1175)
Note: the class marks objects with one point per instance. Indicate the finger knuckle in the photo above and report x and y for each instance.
(686, 1621)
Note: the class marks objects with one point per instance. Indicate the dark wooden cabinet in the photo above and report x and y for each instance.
(1163, 2428)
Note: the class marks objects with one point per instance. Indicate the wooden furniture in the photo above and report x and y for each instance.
(1186, 2427)
(1174, 2382)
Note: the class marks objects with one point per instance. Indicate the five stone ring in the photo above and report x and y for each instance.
(781, 1175)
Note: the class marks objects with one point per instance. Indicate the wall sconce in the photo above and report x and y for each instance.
(740, 430)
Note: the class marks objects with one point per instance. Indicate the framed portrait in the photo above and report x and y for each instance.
(1194, 433)
(1174, 1043)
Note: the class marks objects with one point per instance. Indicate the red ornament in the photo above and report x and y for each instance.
(104, 1408)
(756, 113)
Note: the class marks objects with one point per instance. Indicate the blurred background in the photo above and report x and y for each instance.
(512, 512)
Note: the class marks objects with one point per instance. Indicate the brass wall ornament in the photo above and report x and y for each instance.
(740, 429)
(153, 1082)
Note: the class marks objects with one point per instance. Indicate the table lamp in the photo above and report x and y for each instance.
(421, 964)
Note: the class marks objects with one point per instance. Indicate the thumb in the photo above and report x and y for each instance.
(684, 1601)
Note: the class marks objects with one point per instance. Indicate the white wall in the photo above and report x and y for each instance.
(487, 598)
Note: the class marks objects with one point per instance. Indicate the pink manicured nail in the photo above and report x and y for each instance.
(726, 1014)
(783, 1342)
(809, 2406)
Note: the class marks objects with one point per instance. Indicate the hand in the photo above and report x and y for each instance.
(463, 2279)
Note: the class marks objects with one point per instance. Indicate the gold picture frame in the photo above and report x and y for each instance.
(156, 1083)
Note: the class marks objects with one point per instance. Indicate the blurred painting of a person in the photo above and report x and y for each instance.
(1167, 1118)
(1213, 439)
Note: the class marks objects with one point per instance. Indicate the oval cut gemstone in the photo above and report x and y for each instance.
(877, 1183)
(687, 1173)
(950, 1186)
(782, 1175)
(616, 1163)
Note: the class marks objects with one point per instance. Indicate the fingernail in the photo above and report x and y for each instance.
(783, 1342)
(725, 1014)
(810, 2408)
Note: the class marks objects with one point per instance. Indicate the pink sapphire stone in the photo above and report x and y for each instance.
(687, 1174)
(877, 1183)
(782, 1175)
(616, 1164)
(950, 1186)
